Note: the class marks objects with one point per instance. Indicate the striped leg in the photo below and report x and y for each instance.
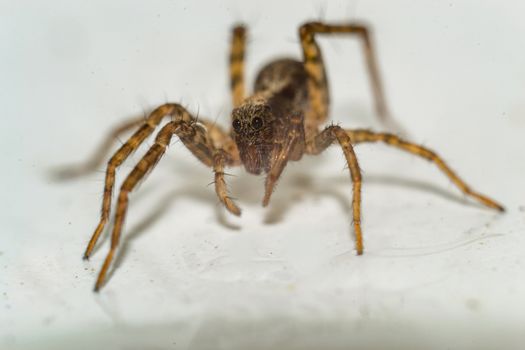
(197, 139)
(321, 142)
(314, 65)
(122, 154)
(238, 46)
(146, 164)
(220, 158)
(359, 136)
(216, 149)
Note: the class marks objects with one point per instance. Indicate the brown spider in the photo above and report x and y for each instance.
(279, 122)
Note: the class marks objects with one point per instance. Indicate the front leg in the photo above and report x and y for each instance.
(219, 159)
(133, 142)
(216, 149)
(200, 142)
(321, 142)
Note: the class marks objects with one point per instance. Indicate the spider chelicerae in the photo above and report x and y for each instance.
(280, 122)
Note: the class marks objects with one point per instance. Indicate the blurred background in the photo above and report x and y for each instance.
(439, 271)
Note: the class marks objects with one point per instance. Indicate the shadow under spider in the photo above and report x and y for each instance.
(161, 208)
(303, 184)
(416, 184)
(293, 190)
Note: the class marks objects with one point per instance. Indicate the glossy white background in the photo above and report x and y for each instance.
(439, 271)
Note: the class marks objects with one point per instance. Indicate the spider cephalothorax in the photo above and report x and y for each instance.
(280, 122)
(253, 128)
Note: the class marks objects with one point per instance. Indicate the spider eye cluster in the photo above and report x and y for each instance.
(236, 124)
(257, 123)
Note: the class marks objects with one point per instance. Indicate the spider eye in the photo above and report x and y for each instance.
(236, 125)
(257, 123)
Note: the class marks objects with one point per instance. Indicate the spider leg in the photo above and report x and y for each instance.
(122, 154)
(96, 159)
(292, 149)
(313, 63)
(219, 159)
(145, 165)
(197, 139)
(359, 136)
(216, 149)
(321, 142)
(238, 46)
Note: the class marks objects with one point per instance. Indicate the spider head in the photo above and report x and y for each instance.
(253, 130)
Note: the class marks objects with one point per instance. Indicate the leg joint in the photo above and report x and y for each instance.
(307, 30)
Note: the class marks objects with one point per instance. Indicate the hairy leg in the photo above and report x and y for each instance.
(313, 62)
(359, 136)
(197, 139)
(219, 160)
(201, 144)
(145, 130)
(321, 142)
(145, 165)
(237, 50)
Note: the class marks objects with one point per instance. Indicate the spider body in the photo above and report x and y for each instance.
(262, 124)
(281, 121)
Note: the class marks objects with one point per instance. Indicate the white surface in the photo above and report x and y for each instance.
(438, 272)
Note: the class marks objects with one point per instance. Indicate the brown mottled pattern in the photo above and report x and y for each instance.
(290, 148)
(194, 134)
(279, 122)
(195, 137)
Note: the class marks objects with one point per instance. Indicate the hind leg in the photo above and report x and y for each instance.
(313, 63)
(237, 49)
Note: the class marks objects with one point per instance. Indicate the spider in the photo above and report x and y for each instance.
(280, 122)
